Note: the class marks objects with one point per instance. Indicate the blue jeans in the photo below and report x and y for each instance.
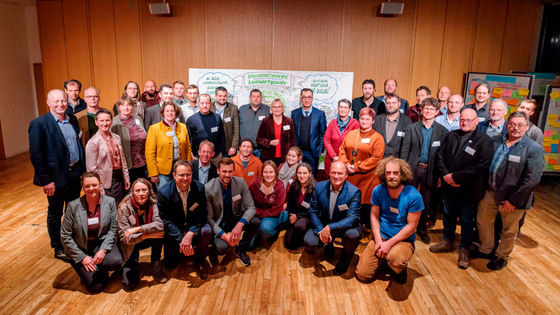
(454, 208)
(164, 179)
(350, 240)
(257, 153)
(308, 158)
(269, 226)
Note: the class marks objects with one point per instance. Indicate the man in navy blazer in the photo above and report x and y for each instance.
(496, 125)
(310, 124)
(515, 172)
(335, 212)
(57, 156)
(182, 207)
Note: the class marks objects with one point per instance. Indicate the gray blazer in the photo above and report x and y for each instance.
(73, 231)
(244, 208)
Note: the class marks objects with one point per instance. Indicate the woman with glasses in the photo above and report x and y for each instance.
(336, 131)
(132, 90)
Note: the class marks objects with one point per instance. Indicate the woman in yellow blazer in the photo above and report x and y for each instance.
(167, 142)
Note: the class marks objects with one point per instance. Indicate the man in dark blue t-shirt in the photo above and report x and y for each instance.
(395, 211)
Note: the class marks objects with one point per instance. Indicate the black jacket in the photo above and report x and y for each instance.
(212, 172)
(393, 145)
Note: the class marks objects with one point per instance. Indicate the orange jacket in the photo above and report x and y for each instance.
(251, 172)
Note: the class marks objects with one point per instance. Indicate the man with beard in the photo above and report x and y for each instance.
(392, 125)
(191, 107)
(450, 120)
(415, 112)
(75, 103)
(150, 95)
(229, 114)
(390, 88)
(463, 161)
(367, 100)
(395, 211)
(153, 114)
(480, 105)
(443, 96)
(247, 165)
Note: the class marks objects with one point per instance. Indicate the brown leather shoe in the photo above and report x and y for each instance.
(463, 261)
(442, 247)
(158, 273)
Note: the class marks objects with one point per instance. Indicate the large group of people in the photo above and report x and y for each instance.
(192, 177)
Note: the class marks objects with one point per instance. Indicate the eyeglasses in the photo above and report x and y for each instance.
(467, 120)
(91, 96)
(514, 125)
(187, 175)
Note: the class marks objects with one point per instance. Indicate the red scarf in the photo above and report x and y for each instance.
(135, 206)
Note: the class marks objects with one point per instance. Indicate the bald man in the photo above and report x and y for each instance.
(450, 120)
(150, 95)
(463, 161)
(443, 95)
(58, 158)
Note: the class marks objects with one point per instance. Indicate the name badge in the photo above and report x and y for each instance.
(193, 206)
(365, 140)
(343, 207)
(400, 133)
(169, 133)
(286, 127)
(394, 210)
(214, 129)
(261, 117)
(436, 144)
(93, 221)
(481, 119)
(514, 158)
(470, 150)
(251, 174)
(291, 181)
(401, 110)
(305, 205)
(80, 134)
(236, 197)
(138, 122)
(227, 119)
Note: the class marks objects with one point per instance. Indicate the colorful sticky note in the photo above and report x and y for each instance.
(555, 136)
(496, 95)
(512, 102)
(548, 133)
(555, 141)
(557, 99)
(546, 158)
(556, 125)
(547, 149)
(473, 85)
(552, 116)
(547, 139)
(552, 161)
(515, 94)
(471, 91)
(554, 148)
(506, 93)
(523, 92)
(497, 90)
(549, 168)
(555, 94)
(556, 167)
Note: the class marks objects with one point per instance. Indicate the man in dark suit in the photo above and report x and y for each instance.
(203, 170)
(310, 124)
(182, 206)
(420, 148)
(367, 99)
(515, 172)
(392, 125)
(58, 158)
(230, 211)
(496, 125)
(335, 212)
(463, 161)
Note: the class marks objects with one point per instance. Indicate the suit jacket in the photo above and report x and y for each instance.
(412, 147)
(468, 162)
(212, 172)
(49, 153)
(74, 229)
(349, 196)
(230, 121)
(520, 172)
(153, 116)
(98, 159)
(318, 128)
(172, 214)
(243, 208)
(393, 145)
(266, 134)
(483, 126)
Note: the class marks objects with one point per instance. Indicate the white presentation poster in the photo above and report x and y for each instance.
(328, 87)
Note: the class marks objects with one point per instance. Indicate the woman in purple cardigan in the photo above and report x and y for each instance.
(276, 134)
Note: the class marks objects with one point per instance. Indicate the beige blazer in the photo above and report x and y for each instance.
(98, 159)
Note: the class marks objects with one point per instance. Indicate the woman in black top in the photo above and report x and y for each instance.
(298, 200)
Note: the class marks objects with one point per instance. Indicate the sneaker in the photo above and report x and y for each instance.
(400, 278)
(442, 247)
(59, 254)
(463, 261)
(245, 259)
(158, 273)
(424, 237)
(341, 266)
(497, 263)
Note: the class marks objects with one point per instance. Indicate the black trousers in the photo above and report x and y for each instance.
(97, 280)
(250, 231)
(117, 186)
(139, 172)
(421, 179)
(350, 240)
(293, 239)
(57, 202)
(130, 270)
(200, 242)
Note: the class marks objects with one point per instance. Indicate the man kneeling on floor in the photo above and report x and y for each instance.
(395, 211)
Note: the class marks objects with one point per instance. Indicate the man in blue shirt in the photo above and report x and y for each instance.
(395, 212)
(450, 120)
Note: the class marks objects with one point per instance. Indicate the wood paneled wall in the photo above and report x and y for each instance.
(106, 43)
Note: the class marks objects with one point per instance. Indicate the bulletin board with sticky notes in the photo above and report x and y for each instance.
(541, 81)
(550, 124)
(510, 87)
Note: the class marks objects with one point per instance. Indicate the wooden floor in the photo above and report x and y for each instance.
(279, 281)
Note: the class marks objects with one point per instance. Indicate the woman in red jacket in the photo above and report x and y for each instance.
(336, 131)
(276, 134)
(269, 195)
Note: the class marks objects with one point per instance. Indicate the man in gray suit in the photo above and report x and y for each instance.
(230, 211)
(392, 125)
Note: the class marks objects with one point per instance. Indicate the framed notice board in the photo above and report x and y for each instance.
(551, 129)
(510, 87)
(541, 81)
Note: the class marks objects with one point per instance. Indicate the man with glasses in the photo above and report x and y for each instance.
(528, 107)
(496, 125)
(182, 207)
(86, 119)
(463, 161)
(515, 172)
